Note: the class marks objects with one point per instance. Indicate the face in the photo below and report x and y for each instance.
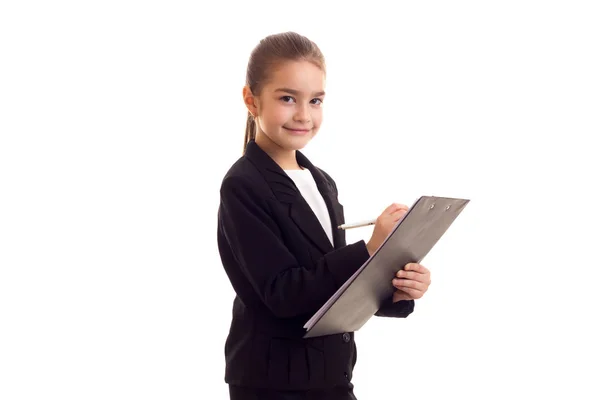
(288, 109)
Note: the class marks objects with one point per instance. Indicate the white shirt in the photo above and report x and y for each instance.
(308, 188)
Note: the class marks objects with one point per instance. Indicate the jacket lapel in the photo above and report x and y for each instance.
(286, 192)
(336, 214)
(306, 220)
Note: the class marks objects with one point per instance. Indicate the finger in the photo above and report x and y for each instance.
(391, 208)
(395, 207)
(399, 213)
(416, 268)
(415, 276)
(402, 206)
(409, 283)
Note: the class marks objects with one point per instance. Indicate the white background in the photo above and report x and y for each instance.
(118, 120)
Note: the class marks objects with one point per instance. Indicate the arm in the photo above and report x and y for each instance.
(286, 288)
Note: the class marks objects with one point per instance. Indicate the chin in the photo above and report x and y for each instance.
(292, 143)
(297, 144)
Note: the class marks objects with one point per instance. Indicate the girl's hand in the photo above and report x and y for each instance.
(411, 282)
(384, 225)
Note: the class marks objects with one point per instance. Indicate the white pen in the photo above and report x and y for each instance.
(357, 224)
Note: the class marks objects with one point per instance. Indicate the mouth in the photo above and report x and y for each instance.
(294, 131)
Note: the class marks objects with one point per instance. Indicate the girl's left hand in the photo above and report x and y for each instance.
(411, 282)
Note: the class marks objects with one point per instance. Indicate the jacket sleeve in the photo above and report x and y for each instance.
(399, 309)
(255, 240)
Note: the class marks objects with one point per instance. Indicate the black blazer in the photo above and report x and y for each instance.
(283, 268)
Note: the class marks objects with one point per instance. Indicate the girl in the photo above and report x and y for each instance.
(278, 239)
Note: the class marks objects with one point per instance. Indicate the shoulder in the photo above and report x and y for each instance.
(243, 177)
(244, 196)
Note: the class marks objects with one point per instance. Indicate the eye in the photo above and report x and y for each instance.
(287, 99)
(317, 101)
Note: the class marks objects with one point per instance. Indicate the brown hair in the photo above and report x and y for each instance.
(274, 49)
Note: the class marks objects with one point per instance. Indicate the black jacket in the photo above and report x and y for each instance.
(283, 268)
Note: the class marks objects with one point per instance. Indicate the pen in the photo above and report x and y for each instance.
(357, 224)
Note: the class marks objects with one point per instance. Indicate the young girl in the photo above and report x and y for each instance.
(278, 238)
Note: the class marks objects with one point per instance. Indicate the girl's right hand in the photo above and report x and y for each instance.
(384, 225)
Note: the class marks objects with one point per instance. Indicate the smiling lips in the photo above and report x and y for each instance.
(297, 131)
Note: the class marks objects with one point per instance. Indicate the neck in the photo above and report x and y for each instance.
(285, 158)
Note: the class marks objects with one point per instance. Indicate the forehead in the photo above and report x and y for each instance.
(303, 76)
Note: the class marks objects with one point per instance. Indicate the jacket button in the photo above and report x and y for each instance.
(346, 337)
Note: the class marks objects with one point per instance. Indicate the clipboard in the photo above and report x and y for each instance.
(359, 298)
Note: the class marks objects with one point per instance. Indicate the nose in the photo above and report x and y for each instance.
(302, 114)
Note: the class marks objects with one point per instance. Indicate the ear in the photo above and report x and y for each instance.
(250, 101)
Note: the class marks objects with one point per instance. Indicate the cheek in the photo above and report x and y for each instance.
(317, 117)
(279, 115)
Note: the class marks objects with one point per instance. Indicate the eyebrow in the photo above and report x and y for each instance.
(296, 93)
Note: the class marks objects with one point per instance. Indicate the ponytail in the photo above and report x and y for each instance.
(250, 130)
